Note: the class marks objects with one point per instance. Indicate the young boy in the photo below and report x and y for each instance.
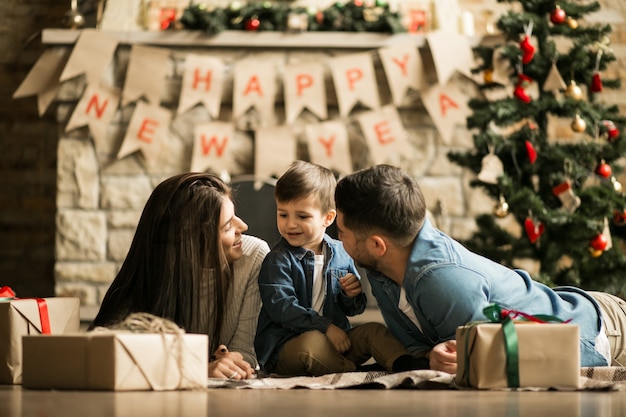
(309, 285)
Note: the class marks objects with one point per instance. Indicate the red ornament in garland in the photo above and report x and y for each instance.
(558, 16)
(252, 24)
(619, 217)
(604, 170)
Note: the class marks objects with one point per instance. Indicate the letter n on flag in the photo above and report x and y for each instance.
(212, 147)
(95, 109)
(447, 106)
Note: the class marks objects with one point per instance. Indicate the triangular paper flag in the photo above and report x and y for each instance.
(404, 69)
(43, 78)
(447, 106)
(441, 45)
(213, 147)
(305, 88)
(254, 85)
(146, 132)
(554, 81)
(355, 81)
(91, 55)
(274, 151)
(385, 134)
(96, 108)
(203, 82)
(329, 146)
(145, 76)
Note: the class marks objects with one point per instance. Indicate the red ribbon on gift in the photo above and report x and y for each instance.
(44, 316)
(6, 292)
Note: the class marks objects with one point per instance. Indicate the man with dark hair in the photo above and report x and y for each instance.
(427, 284)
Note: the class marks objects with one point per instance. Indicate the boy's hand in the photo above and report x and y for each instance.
(338, 338)
(350, 285)
(443, 357)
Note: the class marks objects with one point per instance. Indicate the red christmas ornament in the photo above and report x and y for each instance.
(604, 170)
(358, 3)
(252, 24)
(612, 132)
(533, 230)
(596, 83)
(521, 94)
(558, 16)
(528, 50)
(599, 242)
(532, 153)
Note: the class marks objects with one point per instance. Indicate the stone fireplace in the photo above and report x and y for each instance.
(100, 198)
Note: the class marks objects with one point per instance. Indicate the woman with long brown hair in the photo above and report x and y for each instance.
(190, 263)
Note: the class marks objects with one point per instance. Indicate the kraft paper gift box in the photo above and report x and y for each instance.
(116, 360)
(549, 355)
(19, 317)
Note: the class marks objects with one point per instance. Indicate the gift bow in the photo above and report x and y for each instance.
(496, 314)
(7, 293)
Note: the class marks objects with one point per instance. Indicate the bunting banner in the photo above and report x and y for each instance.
(385, 134)
(328, 146)
(403, 68)
(275, 150)
(255, 88)
(441, 44)
(146, 131)
(254, 85)
(212, 147)
(355, 81)
(145, 76)
(43, 78)
(95, 109)
(447, 106)
(305, 88)
(203, 82)
(91, 55)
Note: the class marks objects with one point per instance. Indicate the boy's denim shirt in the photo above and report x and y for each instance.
(285, 284)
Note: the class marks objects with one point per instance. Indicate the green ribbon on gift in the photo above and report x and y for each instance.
(496, 314)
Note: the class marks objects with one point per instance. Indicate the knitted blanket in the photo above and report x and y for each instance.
(591, 379)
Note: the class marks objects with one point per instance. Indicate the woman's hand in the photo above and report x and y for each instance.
(229, 365)
(443, 357)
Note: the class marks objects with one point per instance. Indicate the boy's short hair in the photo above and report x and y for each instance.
(303, 179)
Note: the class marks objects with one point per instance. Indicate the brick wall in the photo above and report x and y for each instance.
(38, 189)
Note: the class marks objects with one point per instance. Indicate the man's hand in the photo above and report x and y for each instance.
(443, 357)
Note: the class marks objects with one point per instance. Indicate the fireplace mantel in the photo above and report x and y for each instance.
(235, 39)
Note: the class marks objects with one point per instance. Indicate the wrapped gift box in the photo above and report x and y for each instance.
(549, 355)
(116, 360)
(19, 317)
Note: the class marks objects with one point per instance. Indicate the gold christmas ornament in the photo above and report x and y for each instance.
(573, 91)
(579, 125)
(617, 186)
(595, 253)
(501, 209)
(488, 75)
(572, 23)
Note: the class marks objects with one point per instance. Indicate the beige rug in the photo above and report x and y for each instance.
(591, 379)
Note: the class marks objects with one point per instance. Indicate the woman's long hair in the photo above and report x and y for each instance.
(176, 267)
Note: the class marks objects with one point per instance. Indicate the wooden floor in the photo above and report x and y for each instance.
(18, 402)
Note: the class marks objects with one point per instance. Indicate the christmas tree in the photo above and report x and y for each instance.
(558, 185)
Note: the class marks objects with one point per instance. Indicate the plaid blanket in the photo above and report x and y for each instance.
(591, 379)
